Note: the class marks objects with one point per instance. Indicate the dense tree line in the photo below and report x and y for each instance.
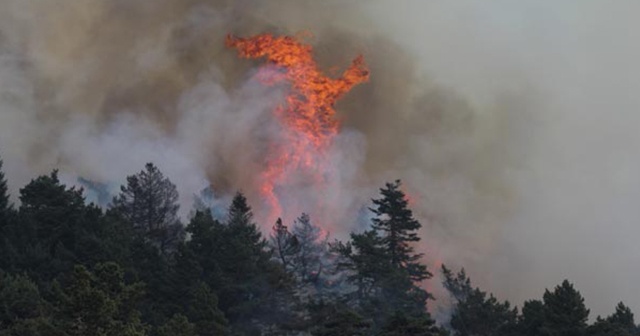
(68, 267)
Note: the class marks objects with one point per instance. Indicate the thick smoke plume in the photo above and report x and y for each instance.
(511, 130)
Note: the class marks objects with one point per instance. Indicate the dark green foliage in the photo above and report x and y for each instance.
(178, 325)
(382, 261)
(532, 318)
(336, 320)
(202, 310)
(233, 260)
(474, 313)
(400, 324)
(395, 223)
(20, 300)
(564, 312)
(620, 323)
(54, 229)
(149, 202)
(98, 303)
(4, 198)
(68, 268)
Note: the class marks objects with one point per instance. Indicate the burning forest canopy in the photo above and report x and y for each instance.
(491, 115)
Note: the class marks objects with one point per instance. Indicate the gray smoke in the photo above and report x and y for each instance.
(511, 124)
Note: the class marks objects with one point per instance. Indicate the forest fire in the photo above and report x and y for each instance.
(309, 117)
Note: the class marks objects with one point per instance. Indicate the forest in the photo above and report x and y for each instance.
(69, 268)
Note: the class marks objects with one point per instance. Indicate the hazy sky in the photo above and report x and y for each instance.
(572, 69)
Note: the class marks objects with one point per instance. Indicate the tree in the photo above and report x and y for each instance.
(337, 319)
(285, 245)
(19, 299)
(5, 210)
(98, 303)
(202, 309)
(403, 325)
(244, 260)
(474, 313)
(51, 228)
(382, 261)
(620, 323)
(233, 260)
(394, 221)
(149, 202)
(532, 318)
(4, 198)
(564, 312)
(178, 325)
(311, 251)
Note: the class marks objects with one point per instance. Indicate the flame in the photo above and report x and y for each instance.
(309, 117)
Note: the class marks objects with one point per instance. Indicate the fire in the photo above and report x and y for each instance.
(309, 117)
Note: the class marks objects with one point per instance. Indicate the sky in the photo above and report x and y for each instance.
(570, 72)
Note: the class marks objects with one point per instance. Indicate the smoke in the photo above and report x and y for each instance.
(511, 124)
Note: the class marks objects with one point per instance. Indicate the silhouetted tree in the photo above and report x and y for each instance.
(4, 198)
(149, 202)
(337, 319)
(98, 303)
(474, 313)
(620, 323)
(383, 263)
(311, 252)
(285, 245)
(532, 318)
(564, 312)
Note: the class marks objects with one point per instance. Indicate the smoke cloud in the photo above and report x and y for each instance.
(511, 124)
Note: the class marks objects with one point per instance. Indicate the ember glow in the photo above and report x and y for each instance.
(308, 119)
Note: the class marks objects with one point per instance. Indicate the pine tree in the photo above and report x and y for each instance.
(311, 251)
(532, 318)
(149, 202)
(4, 198)
(23, 311)
(474, 313)
(337, 319)
(6, 246)
(382, 261)
(285, 245)
(564, 312)
(397, 228)
(98, 303)
(620, 323)
(394, 221)
(178, 325)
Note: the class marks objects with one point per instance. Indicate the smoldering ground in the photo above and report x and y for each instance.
(511, 127)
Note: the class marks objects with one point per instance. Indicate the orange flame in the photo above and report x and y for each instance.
(309, 117)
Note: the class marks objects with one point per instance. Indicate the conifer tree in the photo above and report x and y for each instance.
(383, 263)
(98, 303)
(474, 313)
(564, 312)
(397, 228)
(620, 323)
(532, 318)
(285, 245)
(149, 201)
(311, 251)
(4, 198)
(395, 223)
